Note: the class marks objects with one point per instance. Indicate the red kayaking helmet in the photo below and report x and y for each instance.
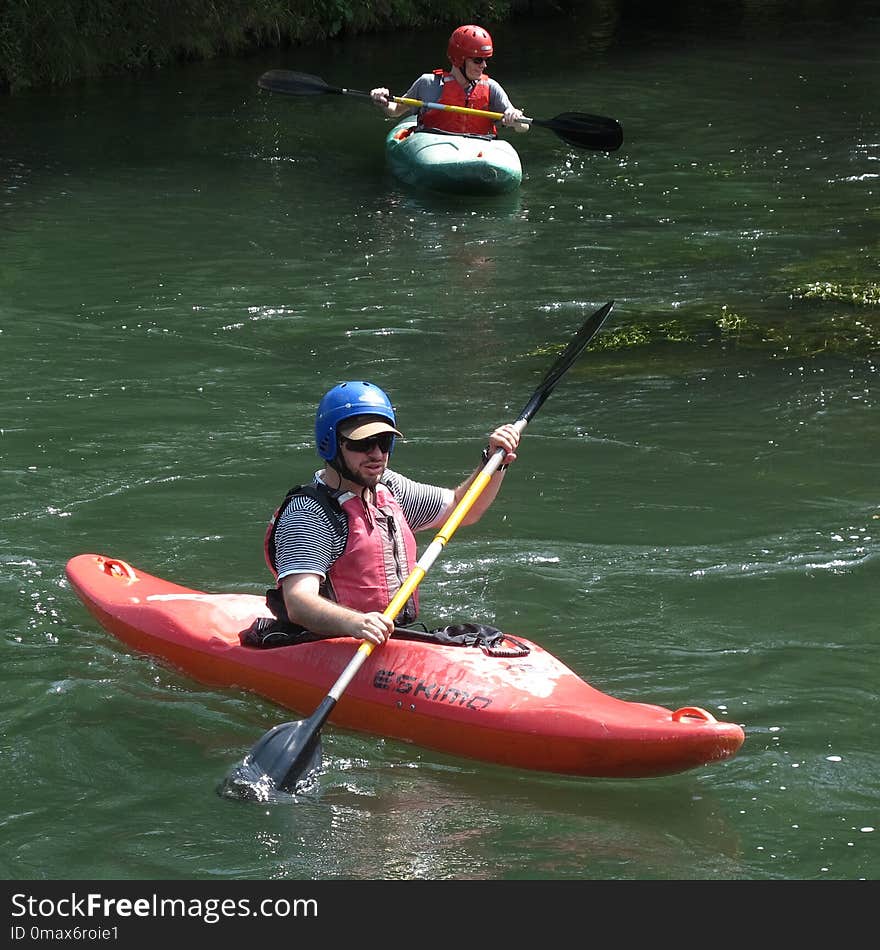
(467, 42)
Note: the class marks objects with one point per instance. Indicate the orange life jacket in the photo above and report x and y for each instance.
(452, 94)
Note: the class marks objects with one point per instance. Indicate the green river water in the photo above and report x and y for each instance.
(187, 264)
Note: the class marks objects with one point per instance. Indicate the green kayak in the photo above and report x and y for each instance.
(463, 164)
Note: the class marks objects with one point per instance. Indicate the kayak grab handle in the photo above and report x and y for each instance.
(692, 712)
(115, 568)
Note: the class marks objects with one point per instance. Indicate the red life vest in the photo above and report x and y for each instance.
(452, 94)
(378, 556)
(380, 551)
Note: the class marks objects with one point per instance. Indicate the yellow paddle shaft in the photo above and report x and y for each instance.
(464, 109)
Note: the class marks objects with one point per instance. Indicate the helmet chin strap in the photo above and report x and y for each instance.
(469, 84)
(343, 471)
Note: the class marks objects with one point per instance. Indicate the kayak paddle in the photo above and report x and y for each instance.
(576, 128)
(288, 754)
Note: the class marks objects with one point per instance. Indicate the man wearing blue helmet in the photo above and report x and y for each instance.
(341, 547)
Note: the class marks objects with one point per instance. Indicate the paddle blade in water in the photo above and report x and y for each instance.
(285, 759)
(586, 131)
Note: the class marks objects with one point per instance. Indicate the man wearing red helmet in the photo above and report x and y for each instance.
(465, 84)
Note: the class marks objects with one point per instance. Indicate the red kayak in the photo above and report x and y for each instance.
(526, 711)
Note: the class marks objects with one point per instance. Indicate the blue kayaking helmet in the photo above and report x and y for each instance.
(342, 402)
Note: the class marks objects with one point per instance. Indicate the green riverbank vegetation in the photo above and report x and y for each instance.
(53, 42)
(56, 41)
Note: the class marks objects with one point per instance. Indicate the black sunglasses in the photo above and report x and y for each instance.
(383, 440)
(479, 60)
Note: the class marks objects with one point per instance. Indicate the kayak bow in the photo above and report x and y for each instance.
(461, 164)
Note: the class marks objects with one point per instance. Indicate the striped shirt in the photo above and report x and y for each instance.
(308, 542)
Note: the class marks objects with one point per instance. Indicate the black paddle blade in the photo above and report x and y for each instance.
(294, 84)
(585, 131)
(576, 346)
(285, 759)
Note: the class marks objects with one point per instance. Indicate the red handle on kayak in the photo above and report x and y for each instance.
(116, 568)
(692, 712)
